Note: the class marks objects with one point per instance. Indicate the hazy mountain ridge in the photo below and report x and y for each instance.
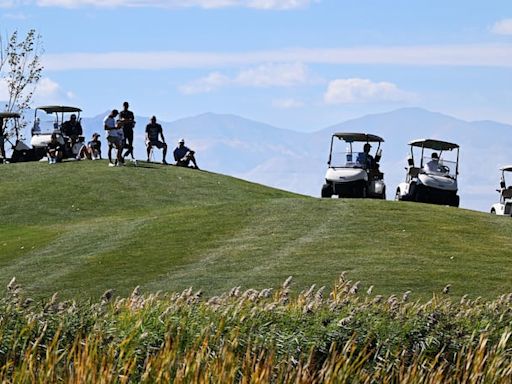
(296, 161)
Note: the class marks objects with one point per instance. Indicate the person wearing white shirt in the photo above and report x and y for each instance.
(433, 164)
(115, 137)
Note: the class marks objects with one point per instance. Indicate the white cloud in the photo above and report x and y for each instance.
(48, 91)
(287, 103)
(206, 4)
(272, 75)
(7, 3)
(266, 75)
(206, 84)
(47, 87)
(344, 91)
(488, 55)
(502, 27)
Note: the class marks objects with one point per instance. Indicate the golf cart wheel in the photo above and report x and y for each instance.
(455, 200)
(383, 195)
(493, 211)
(327, 191)
(364, 193)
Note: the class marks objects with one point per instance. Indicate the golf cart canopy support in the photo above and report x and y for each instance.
(365, 137)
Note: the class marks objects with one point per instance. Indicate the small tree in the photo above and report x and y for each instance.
(20, 70)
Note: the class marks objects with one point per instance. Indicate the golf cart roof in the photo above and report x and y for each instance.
(59, 108)
(438, 145)
(366, 137)
(9, 115)
(506, 168)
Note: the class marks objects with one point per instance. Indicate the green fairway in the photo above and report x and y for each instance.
(80, 228)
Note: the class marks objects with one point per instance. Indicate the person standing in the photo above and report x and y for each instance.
(115, 138)
(153, 133)
(127, 119)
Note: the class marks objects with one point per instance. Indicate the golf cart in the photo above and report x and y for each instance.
(20, 151)
(504, 207)
(434, 179)
(351, 172)
(44, 128)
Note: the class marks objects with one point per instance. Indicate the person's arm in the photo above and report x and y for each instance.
(162, 134)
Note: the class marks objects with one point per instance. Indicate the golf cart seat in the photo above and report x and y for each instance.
(507, 193)
(413, 172)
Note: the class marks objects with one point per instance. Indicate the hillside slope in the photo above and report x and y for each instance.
(82, 228)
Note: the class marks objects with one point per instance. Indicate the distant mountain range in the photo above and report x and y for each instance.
(296, 161)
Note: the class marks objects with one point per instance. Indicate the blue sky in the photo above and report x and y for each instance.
(296, 64)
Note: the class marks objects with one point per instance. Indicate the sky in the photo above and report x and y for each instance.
(295, 64)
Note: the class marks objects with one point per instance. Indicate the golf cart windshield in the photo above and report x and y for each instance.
(440, 167)
(347, 150)
(349, 160)
(50, 118)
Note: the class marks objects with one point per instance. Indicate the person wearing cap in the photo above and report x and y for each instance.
(433, 164)
(153, 133)
(184, 155)
(93, 149)
(364, 158)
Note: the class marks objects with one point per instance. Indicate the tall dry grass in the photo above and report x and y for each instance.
(316, 336)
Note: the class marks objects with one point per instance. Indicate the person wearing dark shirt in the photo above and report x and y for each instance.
(54, 150)
(153, 133)
(72, 129)
(365, 159)
(127, 120)
(183, 155)
(93, 149)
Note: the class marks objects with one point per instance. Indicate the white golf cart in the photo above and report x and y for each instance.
(20, 150)
(44, 128)
(353, 172)
(434, 179)
(504, 207)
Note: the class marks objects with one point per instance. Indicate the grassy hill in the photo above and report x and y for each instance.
(82, 228)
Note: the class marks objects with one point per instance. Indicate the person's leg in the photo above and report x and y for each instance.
(149, 147)
(193, 159)
(119, 153)
(129, 143)
(164, 153)
(110, 146)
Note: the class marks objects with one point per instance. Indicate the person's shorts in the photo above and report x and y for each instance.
(156, 143)
(115, 140)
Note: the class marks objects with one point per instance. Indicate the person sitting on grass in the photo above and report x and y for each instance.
(54, 150)
(184, 155)
(153, 133)
(93, 149)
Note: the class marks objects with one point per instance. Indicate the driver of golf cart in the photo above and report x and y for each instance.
(365, 159)
(433, 166)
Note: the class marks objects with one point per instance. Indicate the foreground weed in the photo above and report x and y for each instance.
(315, 336)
